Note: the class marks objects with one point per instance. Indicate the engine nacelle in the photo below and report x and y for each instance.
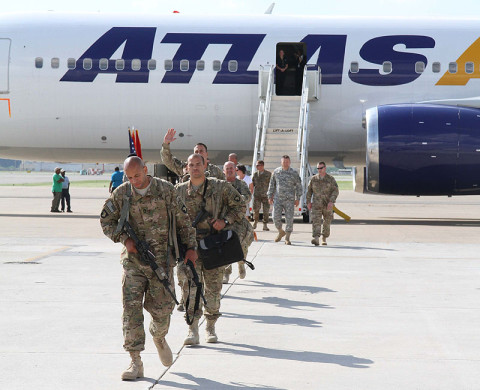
(423, 149)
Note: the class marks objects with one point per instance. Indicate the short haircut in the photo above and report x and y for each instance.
(132, 161)
(286, 156)
(117, 168)
(261, 162)
(196, 155)
(201, 144)
(322, 162)
(242, 168)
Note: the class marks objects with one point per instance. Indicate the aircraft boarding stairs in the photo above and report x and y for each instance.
(282, 126)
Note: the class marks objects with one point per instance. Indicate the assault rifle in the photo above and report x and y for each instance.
(148, 257)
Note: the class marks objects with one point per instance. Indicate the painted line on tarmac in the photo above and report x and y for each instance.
(48, 254)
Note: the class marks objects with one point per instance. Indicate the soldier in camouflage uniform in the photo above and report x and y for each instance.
(243, 229)
(225, 207)
(324, 189)
(177, 166)
(284, 192)
(153, 202)
(261, 180)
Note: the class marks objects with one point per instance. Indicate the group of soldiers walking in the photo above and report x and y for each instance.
(162, 215)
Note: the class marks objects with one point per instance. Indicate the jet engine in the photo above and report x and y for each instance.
(423, 149)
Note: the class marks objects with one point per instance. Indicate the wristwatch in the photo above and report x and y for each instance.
(226, 221)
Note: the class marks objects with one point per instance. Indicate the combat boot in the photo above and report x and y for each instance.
(241, 270)
(181, 306)
(281, 233)
(315, 241)
(192, 337)
(287, 238)
(225, 278)
(210, 335)
(255, 224)
(324, 240)
(164, 351)
(135, 370)
(265, 227)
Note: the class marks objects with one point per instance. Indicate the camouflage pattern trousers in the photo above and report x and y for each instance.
(258, 201)
(141, 288)
(287, 206)
(212, 289)
(319, 213)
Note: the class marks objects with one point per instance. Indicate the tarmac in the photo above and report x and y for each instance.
(391, 303)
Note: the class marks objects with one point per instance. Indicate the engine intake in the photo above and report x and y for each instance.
(423, 149)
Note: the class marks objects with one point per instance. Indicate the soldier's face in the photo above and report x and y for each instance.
(200, 149)
(137, 176)
(260, 167)
(196, 167)
(285, 163)
(229, 170)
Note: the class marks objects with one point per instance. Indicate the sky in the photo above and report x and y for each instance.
(398, 8)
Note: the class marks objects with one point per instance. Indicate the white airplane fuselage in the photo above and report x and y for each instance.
(60, 114)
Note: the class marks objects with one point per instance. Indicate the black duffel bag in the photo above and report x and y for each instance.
(220, 249)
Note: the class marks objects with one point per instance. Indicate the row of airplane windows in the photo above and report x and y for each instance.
(136, 65)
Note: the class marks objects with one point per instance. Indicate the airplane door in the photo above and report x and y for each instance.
(4, 64)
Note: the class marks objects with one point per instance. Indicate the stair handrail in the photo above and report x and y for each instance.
(263, 118)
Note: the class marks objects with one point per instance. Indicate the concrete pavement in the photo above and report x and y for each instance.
(391, 303)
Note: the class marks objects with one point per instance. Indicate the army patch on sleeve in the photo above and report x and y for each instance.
(110, 206)
(237, 198)
(184, 209)
(105, 213)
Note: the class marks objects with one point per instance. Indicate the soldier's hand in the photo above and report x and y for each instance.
(270, 200)
(191, 255)
(330, 206)
(309, 205)
(297, 202)
(170, 136)
(130, 245)
(219, 224)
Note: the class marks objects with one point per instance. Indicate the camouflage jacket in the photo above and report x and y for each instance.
(222, 202)
(243, 189)
(243, 228)
(149, 218)
(260, 182)
(285, 185)
(323, 190)
(176, 165)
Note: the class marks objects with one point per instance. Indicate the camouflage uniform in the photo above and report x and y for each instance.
(176, 165)
(324, 190)
(148, 217)
(222, 202)
(285, 187)
(243, 228)
(261, 180)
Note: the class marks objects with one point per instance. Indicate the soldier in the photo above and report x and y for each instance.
(225, 207)
(179, 167)
(324, 189)
(243, 229)
(261, 180)
(286, 188)
(150, 201)
(176, 165)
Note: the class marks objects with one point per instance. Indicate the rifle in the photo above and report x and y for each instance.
(148, 257)
(196, 281)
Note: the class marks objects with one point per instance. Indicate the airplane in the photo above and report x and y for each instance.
(398, 97)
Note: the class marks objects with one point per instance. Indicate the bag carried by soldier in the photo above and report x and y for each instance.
(220, 249)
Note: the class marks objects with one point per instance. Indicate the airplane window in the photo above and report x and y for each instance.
(354, 67)
(152, 64)
(120, 64)
(136, 64)
(87, 63)
(387, 67)
(168, 65)
(71, 63)
(200, 65)
(184, 65)
(103, 64)
(419, 67)
(55, 63)
(436, 67)
(469, 67)
(452, 67)
(217, 65)
(232, 66)
(39, 62)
